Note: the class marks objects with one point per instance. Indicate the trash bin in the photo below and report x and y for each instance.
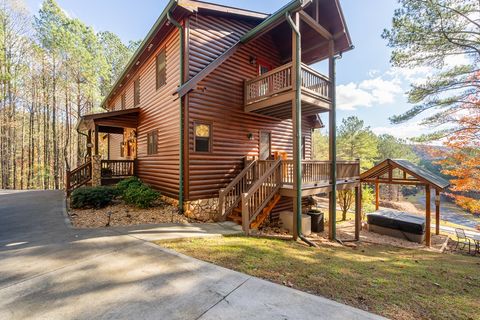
(318, 224)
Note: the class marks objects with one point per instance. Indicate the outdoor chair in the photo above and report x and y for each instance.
(463, 239)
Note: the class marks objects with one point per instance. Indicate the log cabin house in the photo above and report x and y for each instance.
(216, 110)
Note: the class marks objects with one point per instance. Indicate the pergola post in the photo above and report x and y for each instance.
(428, 233)
(377, 195)
(358, 211)
(437, 212)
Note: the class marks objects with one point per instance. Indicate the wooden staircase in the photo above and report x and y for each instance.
(249, 200)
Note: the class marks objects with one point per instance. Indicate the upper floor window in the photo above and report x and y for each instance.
(152, 142)
(203, 132)
(136, 92)
(161, 68)
(123, 101)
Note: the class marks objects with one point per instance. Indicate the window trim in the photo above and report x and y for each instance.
(157, 84)
(210, 138)
(136, 92)
(150, 152)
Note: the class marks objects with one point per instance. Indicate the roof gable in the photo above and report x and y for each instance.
(420, 174)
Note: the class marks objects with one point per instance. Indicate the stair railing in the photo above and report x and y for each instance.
(260, 193)
(78, 177)
(230, 196)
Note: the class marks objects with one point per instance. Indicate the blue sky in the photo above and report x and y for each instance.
(367, 86)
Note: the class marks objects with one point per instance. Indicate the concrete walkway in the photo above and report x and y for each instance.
(49, 270)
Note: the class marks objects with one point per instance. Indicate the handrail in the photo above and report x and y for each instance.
(78, 177)
(229, 197)
(269, 73)
(260, 193)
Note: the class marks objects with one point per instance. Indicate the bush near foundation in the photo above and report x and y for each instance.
(123, 185)
(141, 196)
(95, 197)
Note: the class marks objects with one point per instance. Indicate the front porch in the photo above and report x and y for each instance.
(111, 150)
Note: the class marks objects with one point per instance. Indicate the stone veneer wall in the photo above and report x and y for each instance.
(203, 210)
(96, 170)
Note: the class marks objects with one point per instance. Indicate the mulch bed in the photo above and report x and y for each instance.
(120, 214)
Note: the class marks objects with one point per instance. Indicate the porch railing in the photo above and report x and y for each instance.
(78, 177)
(280, 80)
(118, 168)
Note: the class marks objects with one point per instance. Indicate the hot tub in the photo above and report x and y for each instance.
(397, 224)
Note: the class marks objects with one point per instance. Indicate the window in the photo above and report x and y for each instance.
(203, 132)
(152, 142)
(263, 67)
(161, 68)
(123, 101)
(136, 92)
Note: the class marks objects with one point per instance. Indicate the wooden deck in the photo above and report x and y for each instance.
(271, 94)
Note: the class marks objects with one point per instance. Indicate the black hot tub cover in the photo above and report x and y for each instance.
(398, 220)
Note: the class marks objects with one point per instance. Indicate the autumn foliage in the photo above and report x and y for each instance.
(463, 159)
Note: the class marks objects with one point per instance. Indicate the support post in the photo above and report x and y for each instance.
(245, 215)
(96, 140)
(296, 123)
(437, 212)
(377, 195)
(332, 119)
(428, 233)
(358, 211)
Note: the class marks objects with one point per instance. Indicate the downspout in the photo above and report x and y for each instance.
(180, 154)
(298, 133)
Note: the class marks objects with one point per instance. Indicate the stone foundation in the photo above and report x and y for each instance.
(203, 210)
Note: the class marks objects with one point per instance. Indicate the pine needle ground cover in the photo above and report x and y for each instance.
(393, 282)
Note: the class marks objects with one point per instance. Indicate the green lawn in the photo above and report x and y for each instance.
(396, 283)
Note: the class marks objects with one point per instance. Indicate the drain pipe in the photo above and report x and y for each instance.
(181, 167)
(298, 129)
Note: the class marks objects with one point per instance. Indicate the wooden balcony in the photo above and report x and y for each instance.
(271, 94)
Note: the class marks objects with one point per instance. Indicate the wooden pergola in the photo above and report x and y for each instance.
(404, 172)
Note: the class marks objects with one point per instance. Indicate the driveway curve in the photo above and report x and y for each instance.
(48, 270)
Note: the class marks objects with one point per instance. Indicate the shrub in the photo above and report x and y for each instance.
(123, 185)
(96, 197)
(140, 195)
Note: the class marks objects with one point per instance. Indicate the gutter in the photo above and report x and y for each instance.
(182, 67)
(298, 129)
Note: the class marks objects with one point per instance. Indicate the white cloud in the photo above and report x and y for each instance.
(404, 130)
(376, 91)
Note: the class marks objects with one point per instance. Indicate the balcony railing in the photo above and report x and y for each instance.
(279, 80)
(318, 172)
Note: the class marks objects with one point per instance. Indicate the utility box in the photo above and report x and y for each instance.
(286, 217)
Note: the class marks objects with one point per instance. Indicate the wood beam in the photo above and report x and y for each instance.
(377, 194)
(437, 212)
(96, 140)
(428, 233)
(358, 211)
(315, 26)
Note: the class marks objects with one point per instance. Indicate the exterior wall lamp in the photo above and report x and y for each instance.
(250, 136)
(253, 60)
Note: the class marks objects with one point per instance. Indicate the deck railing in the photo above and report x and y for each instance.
(118, 168)
(261, 192)
(78, 177)
(318, 172)
(280, 80)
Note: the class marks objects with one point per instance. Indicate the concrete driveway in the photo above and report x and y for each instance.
(49, 270)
